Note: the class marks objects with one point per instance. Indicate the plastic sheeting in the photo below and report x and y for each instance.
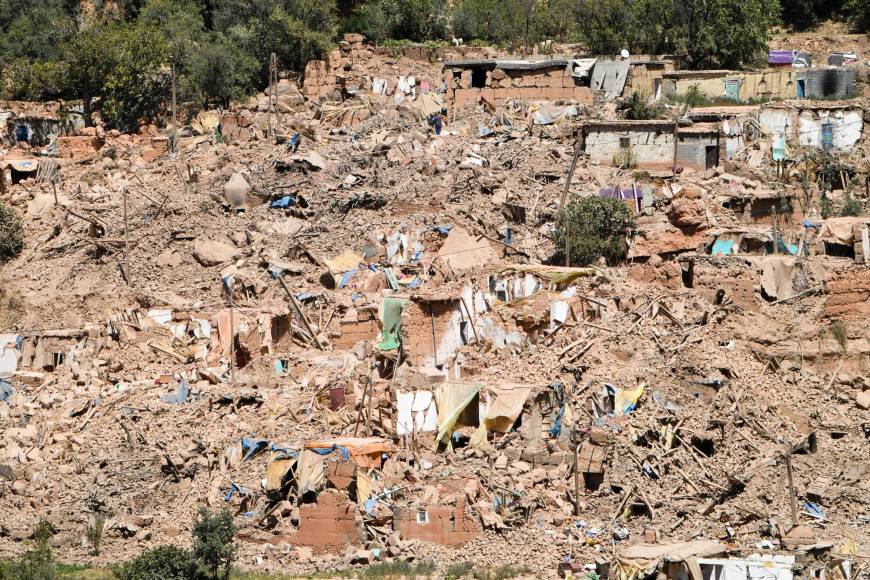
(452, 400)
(392, 322)
(366, 452)
(8, 355)
(541, 114)
(625, 400)
(309, 472)
(501, 407)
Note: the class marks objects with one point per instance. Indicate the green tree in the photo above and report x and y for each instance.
(213, 543)
(219, 71)
(857, 13)
(297, 32)
(137, 87)
(33, 28)
(516, 24)
(90, 56)
(11, 233)
(122, 64)
(594, 227)
(723, 33)
(415, 20)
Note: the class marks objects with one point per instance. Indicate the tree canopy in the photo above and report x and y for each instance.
(122, 52)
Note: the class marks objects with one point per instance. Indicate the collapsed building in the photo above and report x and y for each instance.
(355, 336)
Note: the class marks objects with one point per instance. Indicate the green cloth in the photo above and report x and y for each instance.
(391, 279)
(392, 320)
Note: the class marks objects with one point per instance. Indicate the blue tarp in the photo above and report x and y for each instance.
(723, 247)
(6, 390)
(252, 446)
(284, 202)
(345, 454)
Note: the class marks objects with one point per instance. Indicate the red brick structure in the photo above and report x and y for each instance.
(439, 524)
(332, 522)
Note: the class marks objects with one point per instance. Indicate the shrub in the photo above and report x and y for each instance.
(839, 332)
(95, 533)
(162, 563)
(625, 159)
(38, 563)
(851, 207)
(594, 227)
(638, 108)
(213, 543)
(11, 233)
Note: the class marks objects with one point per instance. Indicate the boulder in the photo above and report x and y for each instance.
(212, 253)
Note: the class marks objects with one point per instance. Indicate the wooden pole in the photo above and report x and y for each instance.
(676, 141)
(174, 136)
(229, 292)
(273, 87)
(794, 516)
(126, 237)
(301, 314)
(571, 169)
(576, 475)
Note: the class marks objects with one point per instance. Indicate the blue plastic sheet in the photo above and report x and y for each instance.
(284, 202)
(723, 247)
(235, 489)
(6, 390)
(284, 452)
(346, 278)
(814, 510)
(443, 229)
(252, 446)
(345, 454)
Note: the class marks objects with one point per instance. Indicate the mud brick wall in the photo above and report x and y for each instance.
(553, 84)
(440, 524)
(332, 522)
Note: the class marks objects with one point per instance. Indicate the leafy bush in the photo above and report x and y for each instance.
(839, 332)
(213, 543)
(35, 564)
(639, 108)
(11, 233)
(162, 563)
(594, 227)
(851, 207)
(94, 533)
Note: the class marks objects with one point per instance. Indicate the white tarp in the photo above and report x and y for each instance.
(755, 567)
(8, 355)
(417, 412)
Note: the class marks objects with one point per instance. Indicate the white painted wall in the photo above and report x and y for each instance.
(847, 128)
(807, 126)
(649, 147)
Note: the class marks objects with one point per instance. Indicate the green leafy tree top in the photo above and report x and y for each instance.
(213, 543)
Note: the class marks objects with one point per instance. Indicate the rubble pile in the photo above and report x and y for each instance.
(352, 333)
